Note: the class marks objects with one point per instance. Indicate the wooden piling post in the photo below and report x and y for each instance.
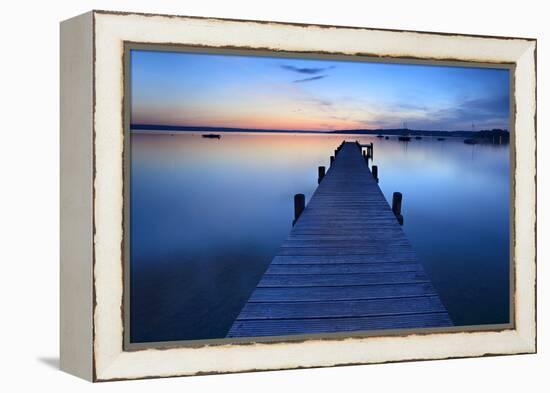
(375, 172)
(396, 203)
(396, 206)
(321, 172)
(299, 206)
(331, 160)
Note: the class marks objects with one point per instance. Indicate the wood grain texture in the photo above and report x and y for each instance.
(345, 266)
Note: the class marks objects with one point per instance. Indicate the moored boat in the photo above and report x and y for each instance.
(213, 136)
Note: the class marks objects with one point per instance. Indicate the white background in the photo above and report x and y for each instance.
(29, 205)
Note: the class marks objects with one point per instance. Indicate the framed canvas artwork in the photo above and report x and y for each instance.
(246, 195)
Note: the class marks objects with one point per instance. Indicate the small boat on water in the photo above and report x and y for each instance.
(440, 139)
(380, 136)
(404, 138)
(471, 141)
(387, 137)
(212, 136)
(418, 137)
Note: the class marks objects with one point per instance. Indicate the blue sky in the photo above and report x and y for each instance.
(198, 89)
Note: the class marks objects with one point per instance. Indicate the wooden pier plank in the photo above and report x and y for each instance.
(336, 280)
(283, 327)
(346, 259)
(350, 308)
(312, 294)
(345, 266)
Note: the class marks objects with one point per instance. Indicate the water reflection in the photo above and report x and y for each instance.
(208, 215)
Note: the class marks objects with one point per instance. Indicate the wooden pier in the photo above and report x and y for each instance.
(345, 266)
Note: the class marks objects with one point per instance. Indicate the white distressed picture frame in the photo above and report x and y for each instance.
(92, 230)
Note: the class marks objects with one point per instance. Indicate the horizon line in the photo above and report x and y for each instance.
(212, 128)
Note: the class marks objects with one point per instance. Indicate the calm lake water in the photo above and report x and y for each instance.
(208, 215)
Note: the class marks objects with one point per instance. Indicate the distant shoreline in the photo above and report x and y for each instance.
(383, 132)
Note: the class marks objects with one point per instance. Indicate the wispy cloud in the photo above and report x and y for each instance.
(321, 102)
(313, 78)
(484, 112)
(306, 70)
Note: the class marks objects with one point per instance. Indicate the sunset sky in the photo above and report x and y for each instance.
(190, 89)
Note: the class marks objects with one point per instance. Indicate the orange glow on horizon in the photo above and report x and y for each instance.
(313, 123)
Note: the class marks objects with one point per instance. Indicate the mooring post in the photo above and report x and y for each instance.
(336, 152)
(331, 159)
(367, 160)
(321, 172)
(299, 206)
(375, 172)
(396, 206)
(364, 153)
